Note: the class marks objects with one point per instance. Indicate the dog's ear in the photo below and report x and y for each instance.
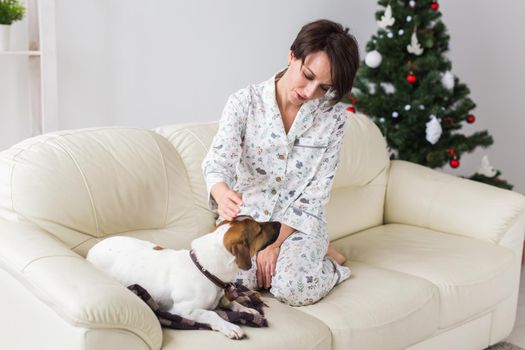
(242, 256)
(235, 240)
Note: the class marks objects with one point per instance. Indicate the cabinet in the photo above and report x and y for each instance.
(41, 65)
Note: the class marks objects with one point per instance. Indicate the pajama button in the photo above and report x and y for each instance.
(266, 212)
(274, 191)
(280, 156)
(278, 179)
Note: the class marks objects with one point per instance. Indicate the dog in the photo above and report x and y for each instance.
(174, 280)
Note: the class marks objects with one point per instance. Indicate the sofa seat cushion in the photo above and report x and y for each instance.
(288, 329)
(472, 275)
(378, 309)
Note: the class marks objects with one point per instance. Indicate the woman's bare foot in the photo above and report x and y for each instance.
(335, 255)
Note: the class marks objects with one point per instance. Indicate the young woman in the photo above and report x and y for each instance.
(275, 155)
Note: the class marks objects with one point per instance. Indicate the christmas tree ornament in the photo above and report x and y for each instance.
(408, 19)
(451, 151)
(390, 35)
(454, 163)
(411, 78)
(412, 3)
(395, 114)
(471, 118)
(434, 6)
(393, 153)
(414, 47)
(381, 120)
(408, 107)
(388, 87)
(386, 20)
(433, 130)
(373, 59)
(448, 80)
(485, 168)
(421, 107)
(400, 32)
(350, 109)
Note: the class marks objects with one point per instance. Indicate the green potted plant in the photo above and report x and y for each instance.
(10, 11)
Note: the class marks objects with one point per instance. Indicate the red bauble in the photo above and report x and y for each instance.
(434, 6)
(471, 118)
(451, 151)
(411, 78)
(350, 109)
(454, 163)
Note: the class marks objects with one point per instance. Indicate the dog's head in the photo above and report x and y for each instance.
(245, 237)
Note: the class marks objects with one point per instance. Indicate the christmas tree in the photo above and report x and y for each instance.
(406, 86)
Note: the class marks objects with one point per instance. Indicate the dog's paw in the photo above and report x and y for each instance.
(232, 331)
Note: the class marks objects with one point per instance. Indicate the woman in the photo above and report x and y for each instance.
(274, 157)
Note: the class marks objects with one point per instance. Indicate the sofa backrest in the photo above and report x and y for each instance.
(83, 185)
(358, 194)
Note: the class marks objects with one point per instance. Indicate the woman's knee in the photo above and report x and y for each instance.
(296, 292)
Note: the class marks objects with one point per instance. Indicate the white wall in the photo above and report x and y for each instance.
(125, 62)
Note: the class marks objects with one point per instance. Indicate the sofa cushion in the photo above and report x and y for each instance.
(472, 275)
(288, 329)
(378, 309)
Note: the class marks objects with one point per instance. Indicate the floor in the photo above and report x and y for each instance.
(517, 336)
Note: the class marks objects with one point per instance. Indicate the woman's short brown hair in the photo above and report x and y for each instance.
(341, 48)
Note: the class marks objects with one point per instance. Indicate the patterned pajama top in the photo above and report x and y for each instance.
(281, 177)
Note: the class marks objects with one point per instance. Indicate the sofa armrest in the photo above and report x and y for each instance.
(76, 290)
(423, 197)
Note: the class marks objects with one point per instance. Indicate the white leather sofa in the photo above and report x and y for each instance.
(435, 258)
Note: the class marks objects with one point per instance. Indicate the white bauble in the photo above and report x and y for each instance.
(433, 130)
(448, 80)
(373, 59)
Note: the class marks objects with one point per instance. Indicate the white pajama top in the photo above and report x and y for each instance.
(281, 177)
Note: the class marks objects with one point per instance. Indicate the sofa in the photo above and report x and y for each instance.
(435, 258)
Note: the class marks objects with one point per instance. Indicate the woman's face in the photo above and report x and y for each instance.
(310, 80)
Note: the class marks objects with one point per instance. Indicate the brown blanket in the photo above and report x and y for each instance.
(240, 293)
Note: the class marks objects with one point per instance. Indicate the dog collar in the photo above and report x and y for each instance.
(231, 292)
(206, 273)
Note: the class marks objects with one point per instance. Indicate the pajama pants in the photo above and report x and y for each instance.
(303, 273)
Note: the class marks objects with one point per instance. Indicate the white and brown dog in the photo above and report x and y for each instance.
(173, 279)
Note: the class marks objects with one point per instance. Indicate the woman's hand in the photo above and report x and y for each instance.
(266, 261)
(228, 201)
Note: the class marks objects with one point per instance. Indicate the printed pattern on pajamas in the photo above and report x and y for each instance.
(285, 177)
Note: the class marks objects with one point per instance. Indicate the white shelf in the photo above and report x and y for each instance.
(20, 53)
(41, 65)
